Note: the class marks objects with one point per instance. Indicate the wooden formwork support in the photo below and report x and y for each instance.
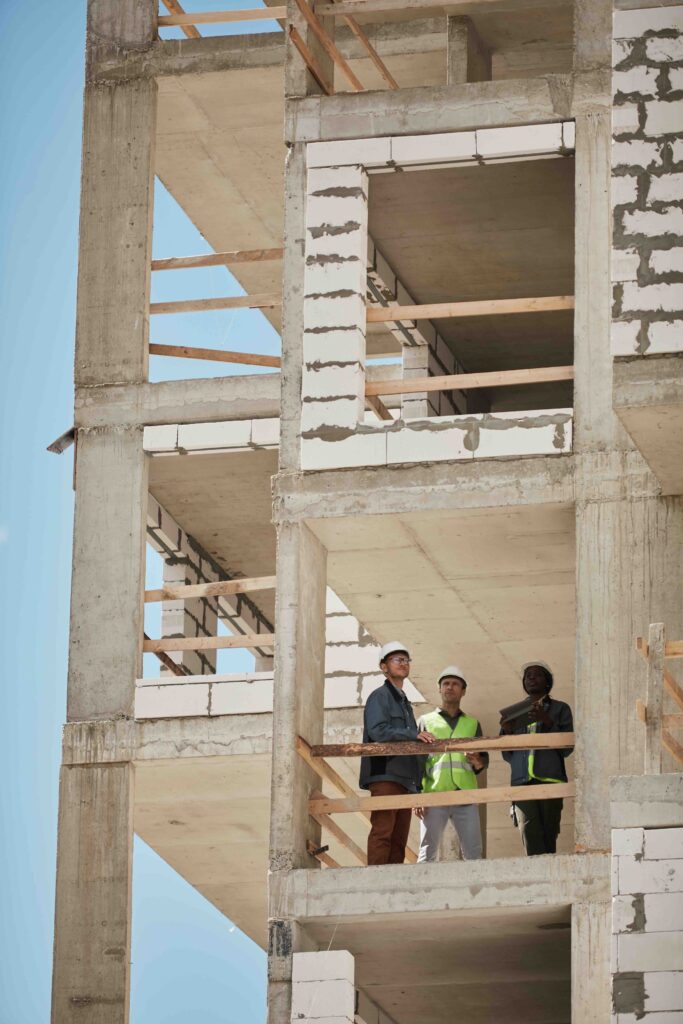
(173, 7)
(310, 61)
(375, 403)
(659, 681)
(468, 381)
(220, 17)
(670, 685)
(482, 307)
(221, 588)
(217, 259)
(371, 51)
(167, 662)
(208, 643)
(214, 355)
(225, 302)
(329, 46)
(320, 805)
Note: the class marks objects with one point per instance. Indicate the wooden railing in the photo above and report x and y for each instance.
(658, 725)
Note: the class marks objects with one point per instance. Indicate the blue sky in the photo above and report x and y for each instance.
(189, 962)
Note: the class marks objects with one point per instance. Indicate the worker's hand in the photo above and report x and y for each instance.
(537, 713)
(475, 759)
(419, 812)
(507, 727)
(426, 737)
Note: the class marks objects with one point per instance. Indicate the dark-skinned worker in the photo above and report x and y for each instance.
(451, 771)
(389, 718)
(538, 820)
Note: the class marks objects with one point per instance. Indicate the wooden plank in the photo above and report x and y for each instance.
(214, 355)
(220, 17)
(674, 649)
(227, 302)
(453, 798)
(371, 51)
(311, 62)
(221, 588)
(641, 711)
(328, 46)
(672, 745)
(655, 699)
(482, 307)
(378, 407)
(170, 664)
(467, 381)
(326, 822)
(217, 259)
(537, 741)
(173, 7)
(670, 684)
(208, 643)
(321, 855)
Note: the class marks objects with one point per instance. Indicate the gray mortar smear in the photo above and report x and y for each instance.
(341, 293)
(323, 259)
(349, 192)
(470, 425)
(628, 993)
(334, 229)
(639, 919)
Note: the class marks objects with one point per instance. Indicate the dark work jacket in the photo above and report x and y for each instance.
(389, 718)
(547, 763)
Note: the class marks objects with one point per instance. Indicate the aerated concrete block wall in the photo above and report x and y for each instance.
(647, 925)
(647, 181)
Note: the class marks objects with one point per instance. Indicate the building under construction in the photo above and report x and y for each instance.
(466, 223)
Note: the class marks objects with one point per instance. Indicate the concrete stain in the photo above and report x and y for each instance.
(326, 230)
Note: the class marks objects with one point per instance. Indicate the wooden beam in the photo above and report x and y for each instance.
(326, 822)
(322, 855)
(227, 302)
(670, 684)
(655, 699)
(482, 307)
(371, 51)
(674, 649)
(214, 355)
(328, 46)
(217, 259)
(221, 588)
(378, 407)
(220, 17)
(467, 381)
(208, 643)
(536, 741)
(169, 663)
(641, 711)
(452, 798)
(311, 61)
(672, 745)
(173, 7)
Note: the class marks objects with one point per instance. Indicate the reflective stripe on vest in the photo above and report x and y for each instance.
(530, 761)
(445, 772)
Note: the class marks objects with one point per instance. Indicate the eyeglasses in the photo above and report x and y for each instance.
(400, 660)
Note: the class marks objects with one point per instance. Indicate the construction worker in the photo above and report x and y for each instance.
(538, 820)
(452, 771)
(389, 718)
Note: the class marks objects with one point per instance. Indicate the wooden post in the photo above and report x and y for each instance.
(655, 696)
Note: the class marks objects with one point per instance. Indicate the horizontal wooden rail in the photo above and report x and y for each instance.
(217, 259)
(482, 307)
(531, 741)
(468, 381)
(451, 798)
(668, 721)
(208, 643)
(169, 663)
(221, 588)
(173, 7)
(326, 822)
(219, 17)
(328, 45)
(226, 302)
(214, 355)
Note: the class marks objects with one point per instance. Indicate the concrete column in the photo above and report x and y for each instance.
(91, 978)
(591, 943)
(467, 59)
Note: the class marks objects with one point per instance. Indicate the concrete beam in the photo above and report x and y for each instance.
(647, 801)
(427, 889)
(467, 59)
(447, 108)
(490, 483)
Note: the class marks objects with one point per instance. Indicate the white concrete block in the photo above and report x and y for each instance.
(437, 148)
(614, 961)
(525, 140)
(335, 209)
(666, 298)
(627, 841)
(419, 443)
(624, 190)
(631, 24)
(342, 692)
(163, 438)
(341, 629)
(664, 844)
(677, 150)
(648, 222)
(638, 79)
(331, 243)
(520, 440)
(676, 79)
(351, 659)
(363, 152)
(648, 1018)
(623, 914)
(242, 698)
(663, 990)
(621, 49)
(188, 701)
(333, 381)
(663, 117)
(334, 347)
(625, 263)
(342, 412)
(202, 436)
(330, 312)
(650, 876)
(315, 999)
(568, 134)
(334, 604)
(667, 188)
(324, 965)
(654, 951)
(322, 179)
(667, 261)
(664, 51)
(349, 275)
(614, 875)
(625, 119)
(359, 450)
(664, 912)
(635, 154)
(665, 336)
(265, 433)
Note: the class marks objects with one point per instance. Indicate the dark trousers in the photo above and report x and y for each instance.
(539, 824)
(389, 832)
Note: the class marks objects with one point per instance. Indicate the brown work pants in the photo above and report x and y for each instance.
(389, 832)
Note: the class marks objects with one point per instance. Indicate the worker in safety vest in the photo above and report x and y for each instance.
(538, 820)
(453, 771)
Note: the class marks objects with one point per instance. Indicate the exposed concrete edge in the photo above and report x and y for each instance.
(648, 381)
(426, 889)
(253, 396)
(646, 801)
(416, 111)
(489, 483)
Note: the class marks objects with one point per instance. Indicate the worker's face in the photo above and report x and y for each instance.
(535, 681)
(452, 689)
(396, 666)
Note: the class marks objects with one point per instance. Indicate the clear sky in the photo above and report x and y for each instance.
(189, 962)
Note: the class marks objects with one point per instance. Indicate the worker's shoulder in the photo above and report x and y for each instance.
(559, 703)
(381, 695)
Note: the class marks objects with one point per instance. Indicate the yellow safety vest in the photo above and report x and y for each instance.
(533, 727)
(445, 772)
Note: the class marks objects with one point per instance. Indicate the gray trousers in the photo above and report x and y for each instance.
(465, 818)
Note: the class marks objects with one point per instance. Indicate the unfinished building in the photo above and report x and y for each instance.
(465, 221)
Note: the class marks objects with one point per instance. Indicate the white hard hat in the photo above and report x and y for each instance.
(452, 670)
(393, 647)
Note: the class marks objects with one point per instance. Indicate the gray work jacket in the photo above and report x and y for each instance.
(548, 763)
(389, 718)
